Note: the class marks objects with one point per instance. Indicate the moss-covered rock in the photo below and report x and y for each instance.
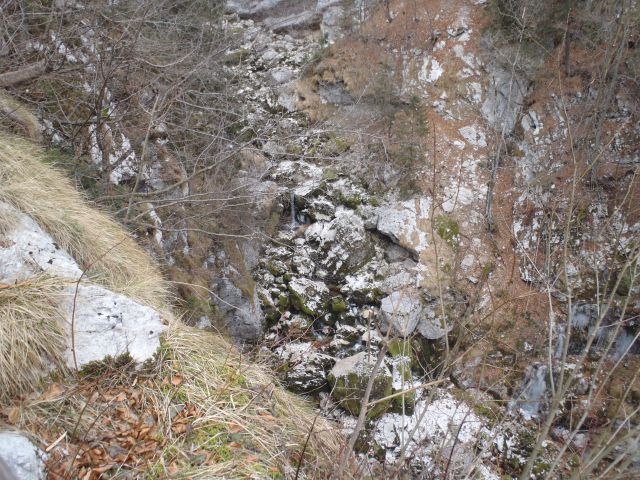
(276, 268)
(339, 305)
(349, 378)
(308, 296)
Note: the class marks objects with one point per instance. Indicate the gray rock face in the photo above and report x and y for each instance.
(431, 324)
(243, 317)
(306, 368)
(294, 21)
(533, 396)
(505, 96)
(109, 324)
(308, 296)
(335, 94)
(401, 311)
(331, 25)
(21, 457)
(343, 241)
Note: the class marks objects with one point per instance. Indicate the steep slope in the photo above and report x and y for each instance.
(77, 291)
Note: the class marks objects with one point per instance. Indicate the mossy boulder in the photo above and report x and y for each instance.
(308, 296)
(349, 378)
(276, 268)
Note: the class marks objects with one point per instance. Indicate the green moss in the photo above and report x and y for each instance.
(351, 201)
(108, 364)
(540, 468)
(283, 301)
(448, 229)
(487, 269)
(276, 268)
(339, 305)
(401, 347)
(329, 174)
(405, 402)
(349, 391)
(299, 303)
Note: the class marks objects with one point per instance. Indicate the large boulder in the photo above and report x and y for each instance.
(27, 250)
(20, 457)
(308, 296)
(108, 324)
(405, 311)
(343, 242)
(407, 224)
(349, 378)
(304, 368)
(401, 311)
(104, 323)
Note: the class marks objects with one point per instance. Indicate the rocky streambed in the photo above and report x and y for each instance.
(347, 273)
(354, 282)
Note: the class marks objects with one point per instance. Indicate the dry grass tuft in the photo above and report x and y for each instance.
(31, 339)
(97, 242)
(18, 114)
(243, 397)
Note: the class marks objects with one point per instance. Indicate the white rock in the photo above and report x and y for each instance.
(402, 311)
(22, 458)
(406, 223)
(106, 323)
(474, 135)
(26, 250)
(431, 71)
(467, 262)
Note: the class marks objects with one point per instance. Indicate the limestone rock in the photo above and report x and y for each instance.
(305, 367)
(243, 316)
(349, 378)
(343, 242)
(406, 223)
(23, 459)
(109, 324)
(26, 250)
(401, 311)
(308, 296)
(431, 323)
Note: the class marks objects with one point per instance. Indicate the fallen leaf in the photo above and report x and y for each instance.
(12, 413)
(53, 392)
(235, 428)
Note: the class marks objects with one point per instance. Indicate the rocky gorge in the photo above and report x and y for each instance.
(410, 243)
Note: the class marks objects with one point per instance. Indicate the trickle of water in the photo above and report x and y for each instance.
(293, 211)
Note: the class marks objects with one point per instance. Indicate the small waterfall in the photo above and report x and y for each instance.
(293, 211)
